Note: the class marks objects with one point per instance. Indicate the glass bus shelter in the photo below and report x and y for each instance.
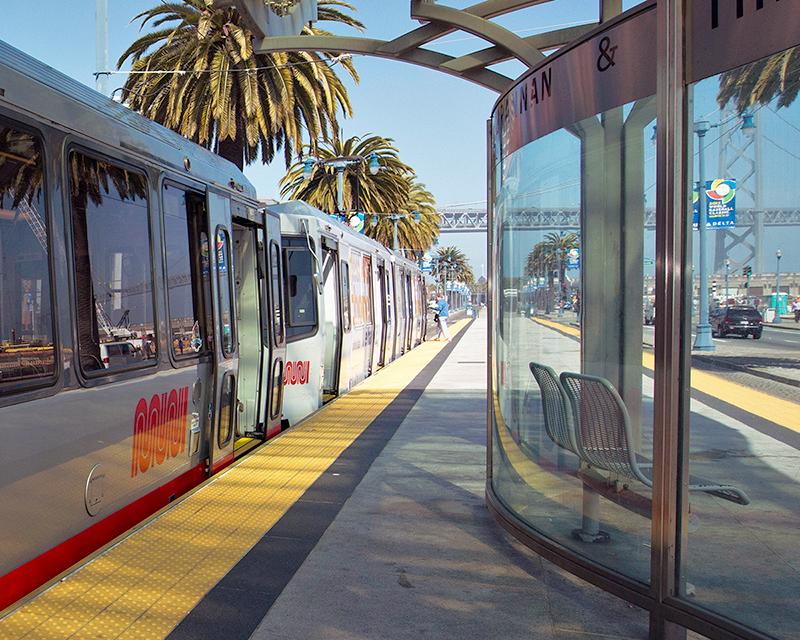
(644, 409)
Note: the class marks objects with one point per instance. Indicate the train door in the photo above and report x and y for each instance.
(400, 312)
(223, 409)
(248, 247)
(369, 314)
(423, 310)
(409, 310)
(274, 332)
(419, 307)
(383, 313)
(334, 319)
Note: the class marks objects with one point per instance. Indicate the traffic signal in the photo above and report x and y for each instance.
(747, 271)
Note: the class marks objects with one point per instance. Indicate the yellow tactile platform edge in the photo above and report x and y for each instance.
(142, 587)
(777, 410)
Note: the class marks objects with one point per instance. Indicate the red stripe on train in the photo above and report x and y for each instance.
(34, 573)
(221, 463)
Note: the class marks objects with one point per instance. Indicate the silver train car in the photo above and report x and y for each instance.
(351, 307)
(142, 304)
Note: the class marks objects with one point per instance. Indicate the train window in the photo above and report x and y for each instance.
(277, 389)
(300, 292)
(183, 217)
(361, 290)
(225, 290)
(366, 274)
(388, 277)
(27, 350)
(275, 284)
(347, 317)
(226, 411)
(113, 266)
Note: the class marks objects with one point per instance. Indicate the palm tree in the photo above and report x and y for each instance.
(540, 261)
(760, 82)
(387, 191)
(549, 257)
(415, 233)
(200, 76)
(393, 190)
(453, 265)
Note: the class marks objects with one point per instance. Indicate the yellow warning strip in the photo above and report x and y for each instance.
(547, 483)
(782, 412)
(558, 326)
(144, 586)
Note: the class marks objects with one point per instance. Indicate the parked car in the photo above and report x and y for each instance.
(737, 320)
(119, 354)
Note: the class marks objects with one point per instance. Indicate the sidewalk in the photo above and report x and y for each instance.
(787, 322)
(415, 554)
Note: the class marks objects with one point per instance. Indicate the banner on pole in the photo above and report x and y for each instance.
(721, 200)
(574, 258)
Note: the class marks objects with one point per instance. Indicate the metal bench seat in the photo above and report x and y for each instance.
(604, 435)
(585, 415)
(558, 422)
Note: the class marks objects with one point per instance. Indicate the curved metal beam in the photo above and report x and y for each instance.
(430, 32)
(541, 41)
(372, 47)
(480, 27)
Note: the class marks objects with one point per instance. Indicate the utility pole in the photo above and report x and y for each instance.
(101, 45)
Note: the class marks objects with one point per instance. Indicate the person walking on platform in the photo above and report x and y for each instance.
(443, 311)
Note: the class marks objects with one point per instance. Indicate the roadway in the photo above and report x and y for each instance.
(771, 339)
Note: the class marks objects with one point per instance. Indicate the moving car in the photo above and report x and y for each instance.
(737, 320)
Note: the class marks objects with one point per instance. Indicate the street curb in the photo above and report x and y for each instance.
(783, 327)
(753, 372)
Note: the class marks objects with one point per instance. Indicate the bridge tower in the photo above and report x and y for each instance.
(740, 156)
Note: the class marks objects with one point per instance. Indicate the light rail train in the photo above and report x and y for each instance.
(156, 320)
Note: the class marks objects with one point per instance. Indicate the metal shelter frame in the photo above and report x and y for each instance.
(440, 21)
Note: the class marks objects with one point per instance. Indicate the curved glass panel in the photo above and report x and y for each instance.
(738, 557)
(575, 255)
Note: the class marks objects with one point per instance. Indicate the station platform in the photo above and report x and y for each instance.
(366, 520)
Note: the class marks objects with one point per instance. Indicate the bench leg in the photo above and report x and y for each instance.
(590, 519)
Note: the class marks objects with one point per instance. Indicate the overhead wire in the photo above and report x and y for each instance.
(114, 72)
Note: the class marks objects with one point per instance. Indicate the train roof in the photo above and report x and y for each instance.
(119, 127)
(300, 208)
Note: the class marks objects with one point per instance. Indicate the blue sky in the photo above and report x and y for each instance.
(437, 121)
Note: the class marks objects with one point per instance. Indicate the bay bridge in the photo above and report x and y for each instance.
(471, 220)
(742, 244)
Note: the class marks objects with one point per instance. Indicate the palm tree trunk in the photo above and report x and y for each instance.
(232, 150)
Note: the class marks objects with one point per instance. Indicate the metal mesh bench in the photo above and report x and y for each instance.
(558, 422)
(603, 435)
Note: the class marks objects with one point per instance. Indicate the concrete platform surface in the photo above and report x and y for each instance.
(415, 554)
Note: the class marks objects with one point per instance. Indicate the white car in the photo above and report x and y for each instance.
(119, 354)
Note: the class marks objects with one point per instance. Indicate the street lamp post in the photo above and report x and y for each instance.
(727, 273)
(778, 256)
(395, 218)
(702, 341)
(340, 163)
